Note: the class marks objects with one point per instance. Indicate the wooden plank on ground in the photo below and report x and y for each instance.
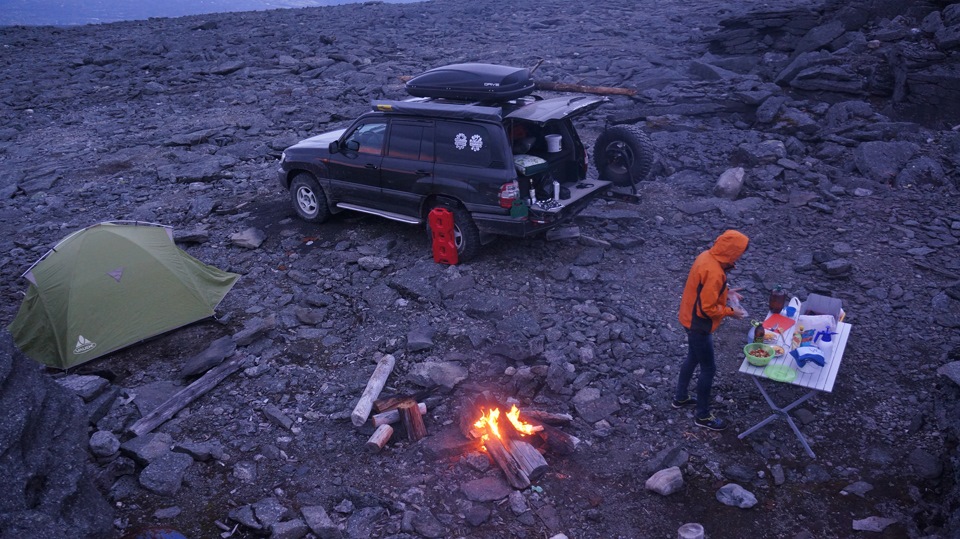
(185, 396)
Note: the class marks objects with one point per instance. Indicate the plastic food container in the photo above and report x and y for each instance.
(759, 360)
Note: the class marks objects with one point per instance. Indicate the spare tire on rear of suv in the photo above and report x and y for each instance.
(623, 154)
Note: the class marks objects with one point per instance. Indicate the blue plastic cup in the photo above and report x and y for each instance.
(791, 311)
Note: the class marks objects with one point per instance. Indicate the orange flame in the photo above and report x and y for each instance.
(489, 422)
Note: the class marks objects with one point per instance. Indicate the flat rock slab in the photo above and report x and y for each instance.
(149, 397)
(597, 409)
(164, 475)
(86, 386)
(486, 489)
(148, 448)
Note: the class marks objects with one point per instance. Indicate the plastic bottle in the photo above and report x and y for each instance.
(778, 298)
(824, 341)
(758, 332)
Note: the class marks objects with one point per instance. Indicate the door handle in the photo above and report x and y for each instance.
(370, 166)
(422, 173)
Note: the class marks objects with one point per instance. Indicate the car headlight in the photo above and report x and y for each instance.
(283, 156)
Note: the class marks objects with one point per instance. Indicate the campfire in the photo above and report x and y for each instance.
(510, 442)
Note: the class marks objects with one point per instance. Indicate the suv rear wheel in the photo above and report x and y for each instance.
(466, 235)
(308, 199)
(623, 155)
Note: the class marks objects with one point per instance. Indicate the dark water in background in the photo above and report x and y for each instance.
(73, 12)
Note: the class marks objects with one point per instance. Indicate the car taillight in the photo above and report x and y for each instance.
(508, 193)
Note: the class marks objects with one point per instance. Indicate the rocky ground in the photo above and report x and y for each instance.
(839, 115)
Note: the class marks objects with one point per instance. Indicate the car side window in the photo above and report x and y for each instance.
(367, 138)
(413, 141)
(461, 143)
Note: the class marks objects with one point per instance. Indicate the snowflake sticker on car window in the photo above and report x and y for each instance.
(460, 141)
(476, 142)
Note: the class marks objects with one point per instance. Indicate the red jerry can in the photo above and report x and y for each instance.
(441, 227)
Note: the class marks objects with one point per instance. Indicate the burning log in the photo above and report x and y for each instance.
(556, 440)
(374, 386)
(392, 416)
(380, 438)
(412, 420)
(518, 460)
(530, 460)
(548, 417)
(517, 478)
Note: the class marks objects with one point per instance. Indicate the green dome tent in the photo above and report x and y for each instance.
(109, 286)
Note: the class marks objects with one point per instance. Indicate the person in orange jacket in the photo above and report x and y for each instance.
(702, 308)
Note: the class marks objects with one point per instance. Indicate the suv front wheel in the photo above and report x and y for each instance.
(308, 199)
(466, 235)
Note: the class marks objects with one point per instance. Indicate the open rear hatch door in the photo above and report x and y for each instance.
(556, 108)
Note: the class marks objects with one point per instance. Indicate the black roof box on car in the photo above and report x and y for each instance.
(472, 82)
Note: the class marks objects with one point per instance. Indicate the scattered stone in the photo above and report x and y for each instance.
(873, 524)
(200, 451)
(245, 471)
(164, 475)
(250, 238)
(729, 184)
(596, 408)
(477, 515)
(925, 465)
(445, 374)
(167, 513)
(88, 387)
(420, 338)
(320, 522)
(290, 529)
(148, 448)
(859, 488)
(427, 525)
(277, 416)
(951, 370)
(734, 495)
(486, 489)
(665, 482)
(104, 443)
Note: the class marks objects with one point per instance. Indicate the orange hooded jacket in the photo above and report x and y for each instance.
(704, 302)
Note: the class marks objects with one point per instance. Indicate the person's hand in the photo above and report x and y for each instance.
(735, 293)
(739, 312)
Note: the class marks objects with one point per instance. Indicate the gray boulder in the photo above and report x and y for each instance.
(882, 161)
(43, 457)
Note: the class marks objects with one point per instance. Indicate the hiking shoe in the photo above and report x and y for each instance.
(710, 422)
(689, 401)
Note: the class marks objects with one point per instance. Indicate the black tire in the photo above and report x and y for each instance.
(623, 155)
(308, 199)
(466, 235)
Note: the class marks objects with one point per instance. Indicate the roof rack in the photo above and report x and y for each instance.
(440, 110)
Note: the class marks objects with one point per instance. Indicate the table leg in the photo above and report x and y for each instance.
(781, 412)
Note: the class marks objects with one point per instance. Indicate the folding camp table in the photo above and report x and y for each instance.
(812, 377)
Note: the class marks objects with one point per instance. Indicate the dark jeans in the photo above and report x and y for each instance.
(699, 353)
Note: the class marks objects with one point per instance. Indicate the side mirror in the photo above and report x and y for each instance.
(334, 147)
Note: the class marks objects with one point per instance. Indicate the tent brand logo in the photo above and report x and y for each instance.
(84, 345)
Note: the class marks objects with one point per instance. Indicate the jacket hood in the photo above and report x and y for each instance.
(729, 246)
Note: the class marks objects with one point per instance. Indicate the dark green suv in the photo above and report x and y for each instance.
(512, 167)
